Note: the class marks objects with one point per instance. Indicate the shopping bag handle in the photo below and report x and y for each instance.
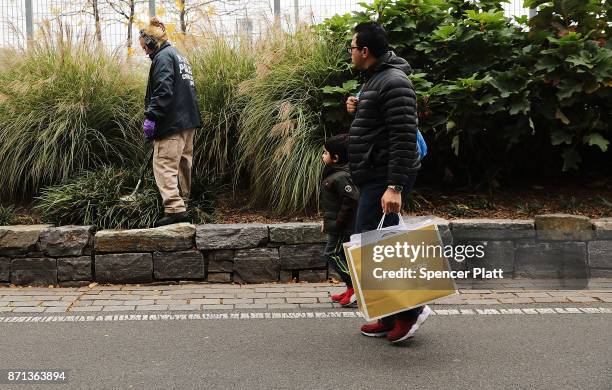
(382, 221)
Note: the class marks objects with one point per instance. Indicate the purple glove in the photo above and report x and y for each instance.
(149, 128)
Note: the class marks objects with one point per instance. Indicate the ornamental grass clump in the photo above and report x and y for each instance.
(66, 105)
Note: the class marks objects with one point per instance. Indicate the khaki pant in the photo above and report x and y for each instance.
(172, 160)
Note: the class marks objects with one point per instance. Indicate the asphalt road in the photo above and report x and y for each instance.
(560, 351)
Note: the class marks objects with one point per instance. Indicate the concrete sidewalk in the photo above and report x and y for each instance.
(205, 297)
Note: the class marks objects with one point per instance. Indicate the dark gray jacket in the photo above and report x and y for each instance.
(382, 137)
(339, 197)
(171, 99)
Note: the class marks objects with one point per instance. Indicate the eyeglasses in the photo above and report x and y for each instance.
(349, 49)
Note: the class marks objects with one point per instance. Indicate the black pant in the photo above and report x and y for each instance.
(369, 213)
(334, 253)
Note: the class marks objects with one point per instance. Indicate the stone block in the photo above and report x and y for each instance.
(231, 236)
(33, 271)
(491, 229)
(124, 268)
(602, 228)
(563, 227)
(20, 240)
(257, 265)
(303, 256)
(67, 241)
(178, 265)
(74, 268)
(497, 255)
(220, 260)
(176, 237)
(5, 266)
(557, 260)
(296, 233)
(600, 254)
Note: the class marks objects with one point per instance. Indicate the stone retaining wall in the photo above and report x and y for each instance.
(259, 253)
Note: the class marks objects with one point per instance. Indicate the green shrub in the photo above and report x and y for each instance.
(65, 105)
(498, 100)
(8, 215)
(93, 198)
(283, 122)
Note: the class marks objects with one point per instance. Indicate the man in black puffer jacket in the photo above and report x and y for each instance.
(383, 154)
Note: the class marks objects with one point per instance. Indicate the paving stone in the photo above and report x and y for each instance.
(29, 309)
(178, 265)
(184, 307)
(119, 308)
(220, 260)
(171, 238)
(124, 268)
(563, 227)
(152, 307)
(234, 301)
(296, 233)
(217, 307)
(67, 241)
(284, 306)
(251, 306)
(258, 265)
(34, 271)
(206, 301)
(550, 299)
(316, 305)
(301, 300)
(482, 301)
(56, 309)
(579, 299)
(74, 269)
(231, 236)
(85, 308)
(268, 301)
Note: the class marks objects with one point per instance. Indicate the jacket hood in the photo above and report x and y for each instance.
(389, 60)
(331, 169)
(162, 47)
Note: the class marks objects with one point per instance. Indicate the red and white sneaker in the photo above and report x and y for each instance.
(338, 297)
(376, 329)
(349, 299)
(406, 328)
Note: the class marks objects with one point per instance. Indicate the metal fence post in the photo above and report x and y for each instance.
(277, 10)
(29, 19)
(532, 12)
(152, 8)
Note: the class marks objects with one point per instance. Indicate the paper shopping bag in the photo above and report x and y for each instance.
(389, 276)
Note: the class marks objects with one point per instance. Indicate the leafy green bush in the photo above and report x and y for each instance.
(498, 97)
(65, 105)
(283, 122)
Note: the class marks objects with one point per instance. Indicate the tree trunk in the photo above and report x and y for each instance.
(96, 13)
(182, 16)
(130, 24)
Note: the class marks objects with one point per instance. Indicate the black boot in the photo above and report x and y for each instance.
(170, 218)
